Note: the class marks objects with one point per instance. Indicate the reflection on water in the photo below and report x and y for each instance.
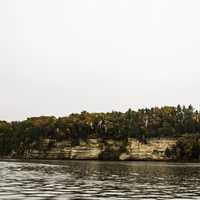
(99, 180)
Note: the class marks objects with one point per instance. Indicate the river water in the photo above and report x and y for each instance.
(99, 180)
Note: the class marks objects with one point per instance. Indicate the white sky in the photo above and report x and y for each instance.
(63, 56)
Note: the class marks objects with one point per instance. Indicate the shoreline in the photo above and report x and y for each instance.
(155, 150)
(88, 160)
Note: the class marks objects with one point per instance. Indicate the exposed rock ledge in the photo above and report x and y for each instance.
(93, 149)
(153, 150)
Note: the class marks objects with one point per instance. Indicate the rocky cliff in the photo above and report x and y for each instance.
(153, 150)
(97, 149)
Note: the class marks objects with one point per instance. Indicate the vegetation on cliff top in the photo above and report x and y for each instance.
(142, 124)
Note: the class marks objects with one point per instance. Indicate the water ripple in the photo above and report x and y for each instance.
(99, 180)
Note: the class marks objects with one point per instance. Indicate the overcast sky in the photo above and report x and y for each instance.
(63, 56)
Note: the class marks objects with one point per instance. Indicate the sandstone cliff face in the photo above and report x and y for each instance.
(153, 150)
(93, 149)
(86, 150)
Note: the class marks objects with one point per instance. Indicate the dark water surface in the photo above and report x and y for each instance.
(99, 180)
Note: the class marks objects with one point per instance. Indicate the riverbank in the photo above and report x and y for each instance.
(96, 149)
(166, 133)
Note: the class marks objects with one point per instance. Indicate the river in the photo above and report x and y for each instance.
(99, 180)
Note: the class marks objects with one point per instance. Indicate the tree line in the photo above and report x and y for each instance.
(142, 124)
